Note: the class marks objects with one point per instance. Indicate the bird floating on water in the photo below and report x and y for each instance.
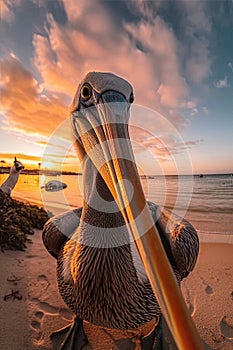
(13, 177)
(54, 186)
(99, 270)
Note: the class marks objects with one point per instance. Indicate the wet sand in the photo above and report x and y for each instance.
(33, 308)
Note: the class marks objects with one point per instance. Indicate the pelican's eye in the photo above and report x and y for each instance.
(86, 92)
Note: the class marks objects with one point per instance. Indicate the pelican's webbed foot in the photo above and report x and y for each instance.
(160, 338)
(71, 337)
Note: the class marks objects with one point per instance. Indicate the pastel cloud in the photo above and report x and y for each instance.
(198, 67)
(160, 45)
(205, 110)
(158, 135)
(77, 52)
(222, 83)
(72, 49)
(230, 65)
(196, 16)
(196, 28)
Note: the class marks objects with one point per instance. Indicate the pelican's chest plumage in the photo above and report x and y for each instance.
(101, 286)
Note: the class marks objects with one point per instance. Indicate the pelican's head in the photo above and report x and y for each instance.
(100, 114)
(18, 166)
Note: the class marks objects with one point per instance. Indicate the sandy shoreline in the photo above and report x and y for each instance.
(27, 323)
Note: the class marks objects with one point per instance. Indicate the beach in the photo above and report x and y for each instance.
(33, 308)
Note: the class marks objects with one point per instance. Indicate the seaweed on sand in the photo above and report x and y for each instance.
(17, 220)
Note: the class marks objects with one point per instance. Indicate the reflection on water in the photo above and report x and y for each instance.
(207, 202)
(28, 188)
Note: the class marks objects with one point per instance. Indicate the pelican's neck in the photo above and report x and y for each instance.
(98, 201)
(101, 220)
(102, 225)
(11, 181)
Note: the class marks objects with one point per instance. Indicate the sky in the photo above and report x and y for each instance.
(178, 56)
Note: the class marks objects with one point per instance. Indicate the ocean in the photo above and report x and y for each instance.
(207, 202)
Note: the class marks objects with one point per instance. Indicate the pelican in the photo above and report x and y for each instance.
(100, 272)
(13, 177)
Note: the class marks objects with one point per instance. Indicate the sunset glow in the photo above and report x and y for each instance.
(178, 57)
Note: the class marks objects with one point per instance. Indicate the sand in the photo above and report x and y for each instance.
(27, 322)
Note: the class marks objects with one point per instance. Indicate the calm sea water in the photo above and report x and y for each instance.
(206, 202)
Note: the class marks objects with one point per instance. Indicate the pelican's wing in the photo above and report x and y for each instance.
(59, 229)
(179, 238)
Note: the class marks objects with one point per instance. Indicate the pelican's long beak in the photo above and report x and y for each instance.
(103, 137)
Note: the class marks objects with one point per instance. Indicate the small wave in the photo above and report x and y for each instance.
(19, 197)
(215, 237)
(214, 210)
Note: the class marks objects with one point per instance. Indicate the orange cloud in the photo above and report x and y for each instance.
(8, 156)
(27, 160)
(25, 107)
(7, 8)
(146, 54)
